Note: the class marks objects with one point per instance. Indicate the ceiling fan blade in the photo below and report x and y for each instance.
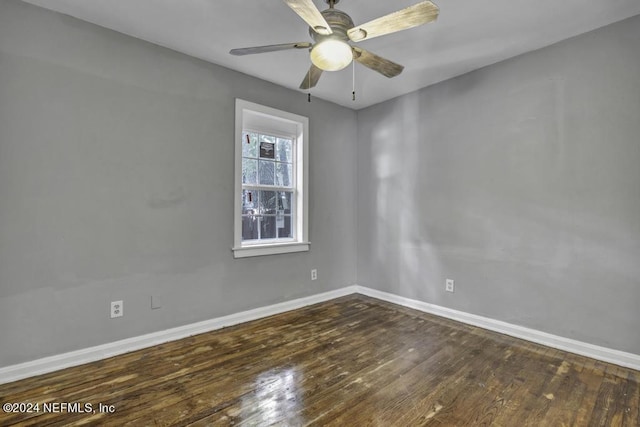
(269, 48)
(377, 63)
(312, 77)
(311, 15)
(409, 17)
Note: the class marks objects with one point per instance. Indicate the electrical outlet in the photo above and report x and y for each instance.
(314, 274)
(449, 286)
(117, 309)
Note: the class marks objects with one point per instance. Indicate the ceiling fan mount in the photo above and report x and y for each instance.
(333, 29)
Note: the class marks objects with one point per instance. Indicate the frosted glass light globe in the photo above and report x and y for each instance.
(331, 55)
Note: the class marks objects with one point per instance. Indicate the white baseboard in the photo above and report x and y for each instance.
(92, 354)
(621, 358)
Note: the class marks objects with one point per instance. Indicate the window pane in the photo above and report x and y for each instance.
(266, 170)
(284, 150)
(284, 226)
(268, 138)
(249, 227)
(249, 202)
(249, 146)
(267, 202)
(249, 171)
(284, 201)
(284, 174)
(268, 227)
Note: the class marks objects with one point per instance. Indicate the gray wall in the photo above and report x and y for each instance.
(521, 181)
(116, 182)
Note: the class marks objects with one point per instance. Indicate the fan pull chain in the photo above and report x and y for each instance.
(353, 94)
(309, 80)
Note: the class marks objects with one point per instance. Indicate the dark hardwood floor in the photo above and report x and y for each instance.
(353, 361)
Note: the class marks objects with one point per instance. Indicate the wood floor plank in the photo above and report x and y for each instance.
(632, 401)
(335, 356)
(325, 343)
(371, 389)
(446, 401)
(610, 407)
(241, 369)
(350, 361)
(481, 400)
(401, 356)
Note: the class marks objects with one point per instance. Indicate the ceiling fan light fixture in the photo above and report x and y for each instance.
(331, 54)
(332, 30)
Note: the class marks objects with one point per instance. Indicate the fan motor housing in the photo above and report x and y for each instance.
(339, 22)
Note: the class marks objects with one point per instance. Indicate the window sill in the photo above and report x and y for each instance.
(270, 249)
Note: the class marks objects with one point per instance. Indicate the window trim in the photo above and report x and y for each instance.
(245, 112)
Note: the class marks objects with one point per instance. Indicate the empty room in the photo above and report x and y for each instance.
(320, 212)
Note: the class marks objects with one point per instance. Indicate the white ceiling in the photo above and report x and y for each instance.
(467, 35)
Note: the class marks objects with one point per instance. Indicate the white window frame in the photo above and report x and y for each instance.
(269, 120)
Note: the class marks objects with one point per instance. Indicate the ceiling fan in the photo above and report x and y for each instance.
(332, 29)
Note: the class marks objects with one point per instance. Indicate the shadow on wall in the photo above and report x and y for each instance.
(409, 262)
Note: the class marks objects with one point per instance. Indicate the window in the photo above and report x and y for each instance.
(270, 181)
